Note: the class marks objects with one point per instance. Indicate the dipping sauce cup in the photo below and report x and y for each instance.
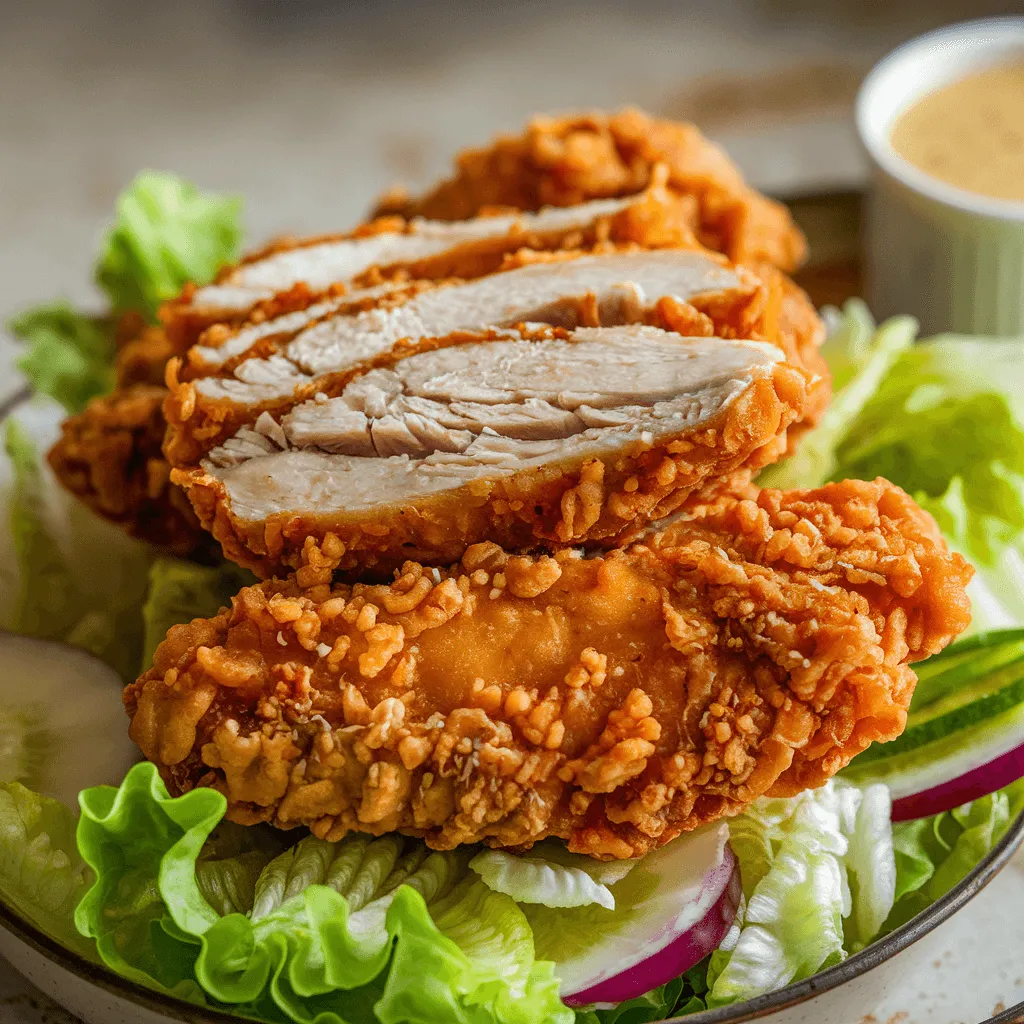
(952, 258)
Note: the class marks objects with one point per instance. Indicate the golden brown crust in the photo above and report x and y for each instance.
(754, 647)
(109, 457)
(556, 505)
(565, 161)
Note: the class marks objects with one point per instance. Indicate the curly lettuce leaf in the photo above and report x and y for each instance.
(68, 356)
(167, 233)
(42, 874)
(139, 844)
(362, 930)
(84, 589)
(180, 591)
(819, 878)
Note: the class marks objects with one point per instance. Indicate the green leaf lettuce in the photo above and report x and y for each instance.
(68, 356)
(167, 233)
(355, 931)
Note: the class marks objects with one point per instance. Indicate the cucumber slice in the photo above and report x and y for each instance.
(976, 682)
(964, 663)
(62, 723)
(932, 764)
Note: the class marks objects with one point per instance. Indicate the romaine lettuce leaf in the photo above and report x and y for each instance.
(166, 234)
(934, 854)
(42, 874)
(180, 591)
(357, 931)
(552, 876)
(68, 357)
(818, 875)
(86, 588)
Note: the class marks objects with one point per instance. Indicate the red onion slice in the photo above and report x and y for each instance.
(679, 955)
(692, 891)
(977, 782)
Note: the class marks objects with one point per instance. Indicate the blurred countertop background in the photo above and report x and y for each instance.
(310, 108)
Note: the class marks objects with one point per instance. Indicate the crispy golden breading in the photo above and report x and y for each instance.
(565, 161)
(753, 647)
(653, 218)
(109, 457)
(772, 310)
(595, 500)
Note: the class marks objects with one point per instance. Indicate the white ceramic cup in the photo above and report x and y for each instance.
(951, 258)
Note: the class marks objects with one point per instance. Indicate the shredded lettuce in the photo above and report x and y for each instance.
(68, 356)
(819, 878)
(180, 591)
(167, 233)
(333, 933)
(42, 874)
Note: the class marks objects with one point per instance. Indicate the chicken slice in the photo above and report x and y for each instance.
(382, 255)
(753, 647)
(277, 363)
(549, 435)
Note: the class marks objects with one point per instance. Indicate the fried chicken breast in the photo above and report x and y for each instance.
(754, 646)
(538, 435)
(568, 160)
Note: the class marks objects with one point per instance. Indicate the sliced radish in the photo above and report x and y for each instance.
(671, 911)
(972, 785)
(62, 723)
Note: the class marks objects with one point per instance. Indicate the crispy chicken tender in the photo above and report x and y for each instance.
(109, 456)
(753, 647)
(565, 161)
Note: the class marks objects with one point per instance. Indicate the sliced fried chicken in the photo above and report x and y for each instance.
(517, 437)
(753, 647)
(269, 365)
(110, 455)
(565, 161)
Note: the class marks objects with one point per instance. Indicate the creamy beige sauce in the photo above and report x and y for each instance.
(970, 133)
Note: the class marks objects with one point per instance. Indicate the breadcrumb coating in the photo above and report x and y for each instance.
(754, 646)
(565, 161)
